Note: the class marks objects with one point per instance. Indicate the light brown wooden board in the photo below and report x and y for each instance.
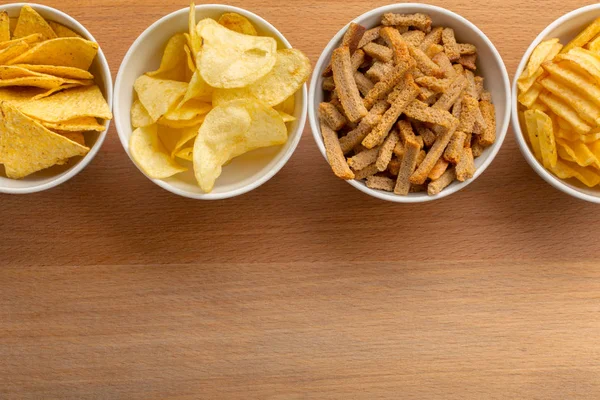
(111, 288)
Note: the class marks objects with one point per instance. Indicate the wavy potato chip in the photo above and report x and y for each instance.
(158, 96)
(74, 125)
(237, 23)
(61, 30)
(30, 22)
(229, 59)
(289, 73)
(579, 153)
(231, 130)
(173, 65)
(69, 52)
(4, 27)
(58, 71)
(566, 170)
(150, 155)
(140, 116)
(26, 146)
(80, 102)
(29, 40)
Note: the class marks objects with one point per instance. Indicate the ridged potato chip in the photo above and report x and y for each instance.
(237, 23)
(289, 73)
(86, 101)
(30, 22)
(231, 130)
(140, 116)
(4, 27)
(230, 59)
(159, 95)
(566, 170)
(150, 155)
(69, 52)
(27, 147)
(174, 65)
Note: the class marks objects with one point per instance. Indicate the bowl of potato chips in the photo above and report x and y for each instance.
(55, 98)
(210, 101)
(556, 104)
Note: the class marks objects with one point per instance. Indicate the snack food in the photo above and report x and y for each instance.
(221, 90)
(559, 106)
(48, 98)
(411, 116)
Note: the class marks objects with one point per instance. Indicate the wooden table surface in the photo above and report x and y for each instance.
(111, 288)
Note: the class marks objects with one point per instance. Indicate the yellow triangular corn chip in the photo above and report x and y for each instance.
(68, 52)
(61, 30)
(4, 27)
(29, 40)
(78, 124)
(27, 147)
(31, 22)
(13, 51)
(59, 71)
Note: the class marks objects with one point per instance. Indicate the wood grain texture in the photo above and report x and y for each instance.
(111, 288)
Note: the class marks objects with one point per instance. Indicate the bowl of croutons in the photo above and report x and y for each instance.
(409, 103)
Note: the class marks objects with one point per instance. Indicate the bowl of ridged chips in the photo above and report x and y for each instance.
(55, 98)
(210, 101)
(556, 104)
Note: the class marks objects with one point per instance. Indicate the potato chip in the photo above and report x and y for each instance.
(186, 154)
(231, 130)
(563, 110)
(579, 153)
(173, 65)
(86, 101)
(532, 133)
(76, 137)
(594, 45)
(197, 89)
(190, 110)
(181, 123)
(286, 117)
(13, 51)
(591, 137)
(175, 139)
(186, 135)
(585, 108)
(194, 41)
(580, 81)
(150, 154)
(158, 95)
(190, 59)
(545, 132)
(566, 170)
(4, 27)
(230, 59)
(584, 36)
(531, 95)
(583, 61)
(289, 73)
(27, 147)
(29, 40)
(139, 115)
(58, 71)
(74, 125)
(288, 106)
(30, 22)
(545, 51)
(68, 52)
(237, 23)
(61, 30)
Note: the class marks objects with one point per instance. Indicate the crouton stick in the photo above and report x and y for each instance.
(488, 136)
(420, 21)
(380, 183)
(424, 63)
(351, 39)
(363, 83)
(465, 169)
(442, 60)
(378, 52)
(363, 159)
(433, 37)
(409, 163)
(386, 151)
(421, 112)
(346, 86)
(466, 49)
(328, 84)
(367, 171)
(468, 114)
(436, 186)
(434, 154)
(468, 61)
(450, 46)
(379, 133)
(357, 59)
(438, 169)
(369, 36)
(357, 135)
(449, 98)
(433, 51)
(334, 153)
(385, 86)
(427, 135)
(398, 45)
(378, 71)
(394, 166)
(414, 38)
(330, 114)
(435, 84)
(406, 132)
(455, 147)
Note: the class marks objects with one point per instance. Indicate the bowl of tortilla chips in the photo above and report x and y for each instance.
(55, 98)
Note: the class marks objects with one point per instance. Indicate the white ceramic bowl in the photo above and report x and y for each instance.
(490, 66)
(56, 175)
(565, 28)
(244, 173)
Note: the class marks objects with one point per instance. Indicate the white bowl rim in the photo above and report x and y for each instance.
(454, 187)
(167, 186)
(556, 182)
(71, 172)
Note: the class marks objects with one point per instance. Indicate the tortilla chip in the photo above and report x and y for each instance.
(4, 27)
(74, 125)
(27, 147)
(44, 82)
(59, 71)
(76, 137)
(11, 72)
(31, 22)
(29, 40)
(68, 52)
(52, 91)
(61, 30)
(13, 51)
(18, 96)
